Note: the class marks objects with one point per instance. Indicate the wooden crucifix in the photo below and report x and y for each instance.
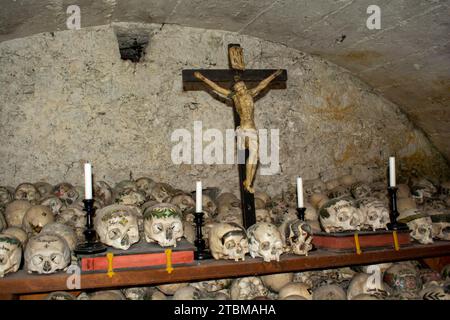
(240, 86)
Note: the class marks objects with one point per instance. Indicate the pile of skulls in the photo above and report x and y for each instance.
(346, 204)
(389, 281)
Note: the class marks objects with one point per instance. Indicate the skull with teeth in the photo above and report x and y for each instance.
(46, 253)
(27, 191)
(10, 254)
(44, 188)
(145, 185)
(360, 190)
(54, 203)
(184, 202)
(5, 197)
(419, 224)
(297, 236)
(36, 218)
(117, 226)
(375, 213)
(340, 214)
(15, 211)
(104, 192)
(228, 241)
(66, 192)
(163, 224)
(248, 288)
(265, 241)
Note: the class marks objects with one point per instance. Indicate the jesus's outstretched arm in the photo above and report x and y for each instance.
(263, 84)
(213, 85)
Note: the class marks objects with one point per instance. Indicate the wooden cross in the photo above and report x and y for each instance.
(226, 78)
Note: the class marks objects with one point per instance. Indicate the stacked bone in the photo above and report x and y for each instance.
(389, 281)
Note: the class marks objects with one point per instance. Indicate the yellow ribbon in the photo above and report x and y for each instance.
(169, 260)
(396, 245)
(358, 247)
(110, 257)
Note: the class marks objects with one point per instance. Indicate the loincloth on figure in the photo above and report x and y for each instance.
(251, 136)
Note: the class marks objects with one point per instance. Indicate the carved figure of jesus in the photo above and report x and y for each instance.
(245, 107)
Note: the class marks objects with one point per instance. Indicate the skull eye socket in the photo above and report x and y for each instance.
(114, 234)
(37, 259)
(342, 217)
(56, 258)
(176, 226)
(230, 244)
(422, 230)
(158, 227)
(71, 194)
(265, 245)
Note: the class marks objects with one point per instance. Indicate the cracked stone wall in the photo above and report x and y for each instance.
(67, 97)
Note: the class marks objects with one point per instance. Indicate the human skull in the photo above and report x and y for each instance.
(104, 192)
(263, 215)
(212, 285)
(228, 241)
(145, 185)
(339, 192)
(5, 197)
(232, 215)
(375, 214)
(317, 200)
(163, 224)
(126, 192)
(329, 292)
(363, 283)
(422, 189)
(314, 186)
(209, 205)
(66, 192)
(441, 226)
(10, 254)
(64, 231)
(184, 202)
(36, 218)
(162, 192)
(340, 214)
(46, 253)
(44, 188)
(27, 191)
(248, 288)
(264, 197)
(404, 279)
(137, 293)
(419, 224)
(265, 241)
(15, 211)
(73, 217)
(18, 233)
(170, 288)
(227, 199)
(187, 293)
(360, 190)
(295, 289)
(297, 236)
(436, 290)
(54, 203)
(277, 281)
(60, 295)
(117, 226)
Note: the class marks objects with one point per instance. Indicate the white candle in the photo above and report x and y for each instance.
(299, 192)
(392, 171)
(198, 197)
(87, 181)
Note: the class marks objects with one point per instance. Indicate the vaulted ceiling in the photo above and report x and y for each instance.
(407, 60)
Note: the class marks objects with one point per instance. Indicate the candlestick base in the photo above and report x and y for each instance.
(90, 248)
(301, 213)
(398, 226)
(393, 212)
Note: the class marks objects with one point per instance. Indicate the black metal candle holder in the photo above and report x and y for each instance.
(91, 245)
(393, 212)
(201, 253)
(301, 213)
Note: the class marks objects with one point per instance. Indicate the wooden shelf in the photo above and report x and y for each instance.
(23, 283)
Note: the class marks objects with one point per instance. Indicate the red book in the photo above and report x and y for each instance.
(140, 255)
